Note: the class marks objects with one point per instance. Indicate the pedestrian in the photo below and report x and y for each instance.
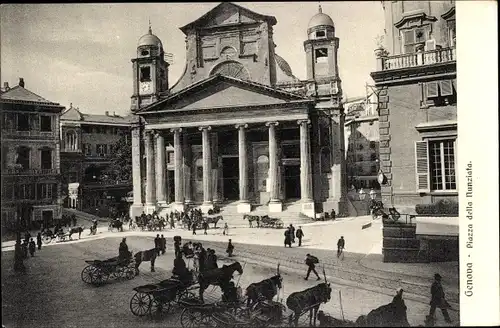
(158, 244)
(19, 257)
(177, 245)
(163, 245)
(230, 248)
(27, 236)
(340, 246)
(32, 247)
(172, 222)
(438, 300)
(193, 226)
(226, 229)
(39, 240)
(292, 233)
(310, 262)
(202, 259)
(25, 249)
(332, 215)
(288, 238)
(212, 260)
(205, 226)
(299, 235)
(123, 252)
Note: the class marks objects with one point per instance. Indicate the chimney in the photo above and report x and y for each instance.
(106, 113)
(21, 82)
(6, 86)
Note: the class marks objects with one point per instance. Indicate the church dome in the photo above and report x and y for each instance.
(283, 65)
(320, 19)
(150, 39)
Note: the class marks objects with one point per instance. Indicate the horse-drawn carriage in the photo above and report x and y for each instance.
(263, 221)
(48, 236)
(99, 272)
(157, 299)
(115, 224)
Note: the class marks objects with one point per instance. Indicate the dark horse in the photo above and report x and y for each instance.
(116, 224)
(308, 300)
(389, 315)
(218, 277)
(144, 256)
(251, 219)
(77, 230)
(264, 290)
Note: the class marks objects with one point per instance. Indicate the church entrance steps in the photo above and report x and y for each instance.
(82, 215)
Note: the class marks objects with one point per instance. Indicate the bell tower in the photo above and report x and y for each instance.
(150, 71)
(321, 49)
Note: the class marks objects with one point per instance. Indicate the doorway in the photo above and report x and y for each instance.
(170, 186)
(47, 217)
(230, 178)
(292, 181)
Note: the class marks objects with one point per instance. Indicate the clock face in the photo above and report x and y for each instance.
(145, 87)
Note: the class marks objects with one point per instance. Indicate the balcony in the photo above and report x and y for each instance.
(30, 133)
(20, 171)
(418, 59)
(70, 150)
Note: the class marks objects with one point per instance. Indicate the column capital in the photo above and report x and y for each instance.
(174, 130)
(272, 123)
(208, 128)
(305, 121)
(241, 125)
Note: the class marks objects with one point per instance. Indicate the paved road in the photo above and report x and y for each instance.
(52, 293)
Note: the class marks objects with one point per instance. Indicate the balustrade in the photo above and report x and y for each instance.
(419, 59)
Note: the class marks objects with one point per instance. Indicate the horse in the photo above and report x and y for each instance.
(265, 289)
(309, 299)
(252, 218)
(144, 256)
(116, 224)
(214, 220)
(78, 230)
(389, 315)
(218, 277)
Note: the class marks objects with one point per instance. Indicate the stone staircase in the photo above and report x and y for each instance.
(83, 215)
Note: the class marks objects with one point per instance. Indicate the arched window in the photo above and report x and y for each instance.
(262, 172)
(232, 69)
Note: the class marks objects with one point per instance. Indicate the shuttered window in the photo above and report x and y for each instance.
(446, 88)
(442, 165)
(422, 166)
(432, 89)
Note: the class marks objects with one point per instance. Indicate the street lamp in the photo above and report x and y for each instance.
(362, 194)
(373, 194)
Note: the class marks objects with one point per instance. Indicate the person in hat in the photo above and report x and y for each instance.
(438, 300)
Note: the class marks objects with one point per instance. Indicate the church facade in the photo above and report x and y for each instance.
(238, 127)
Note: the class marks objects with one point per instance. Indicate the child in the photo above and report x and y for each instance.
(32, 247)
(226, 229)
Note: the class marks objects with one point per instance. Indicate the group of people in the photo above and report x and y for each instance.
(160, 244)
(22, 248)
(291, 234)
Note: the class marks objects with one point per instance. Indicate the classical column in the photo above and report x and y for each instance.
(150, 169)
(178, 172)
(160, 169)
(187, 158)
(214, 152)
(244, 205)
(305, 162)
(207, 168)
(136, 170)
(274, 203)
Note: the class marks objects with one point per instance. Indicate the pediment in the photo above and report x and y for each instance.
(222, 92)
(226, 14)
(72, 114)
(413, 19)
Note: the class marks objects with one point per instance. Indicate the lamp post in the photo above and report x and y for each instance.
(362, 194)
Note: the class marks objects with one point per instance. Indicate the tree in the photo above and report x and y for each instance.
(120, 168)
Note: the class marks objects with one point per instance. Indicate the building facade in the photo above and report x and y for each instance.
(31, 179)
(416, 86)
(362, 140)
(238, 126)
(88, 150)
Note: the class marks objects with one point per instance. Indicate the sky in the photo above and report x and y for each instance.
(80, 53)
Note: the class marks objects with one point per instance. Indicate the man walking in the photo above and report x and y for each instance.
(163, 243)
(299, 235)
(310, 262)
(288, 238)
(438, 300)
(340, 246)
(205, 226)
(292, 233)
(39, 240)
(158, 244)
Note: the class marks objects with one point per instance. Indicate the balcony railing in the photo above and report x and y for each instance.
(30, 133)
(69, 150)
(19, 171)
(419, 59)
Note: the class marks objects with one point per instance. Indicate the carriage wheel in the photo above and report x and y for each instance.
(140, 304)
(184, 295)
(47, 239)
(130, 273)
(99, 277)
(159, 308)
(191, 318)
(87, 274)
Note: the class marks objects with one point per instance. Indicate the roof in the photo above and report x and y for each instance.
(218, 77)
(284, 66)
(320, 19)
(19, 94)
(149, 39)
(74, 114)
(224, 6)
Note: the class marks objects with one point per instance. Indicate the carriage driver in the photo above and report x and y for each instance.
(123, 252)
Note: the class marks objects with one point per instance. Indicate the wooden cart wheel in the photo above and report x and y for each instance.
(47, 239)
(140, 304)
(130, 273)
(99, 277)
(191, 318)
(87, 274)
(159, 308)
